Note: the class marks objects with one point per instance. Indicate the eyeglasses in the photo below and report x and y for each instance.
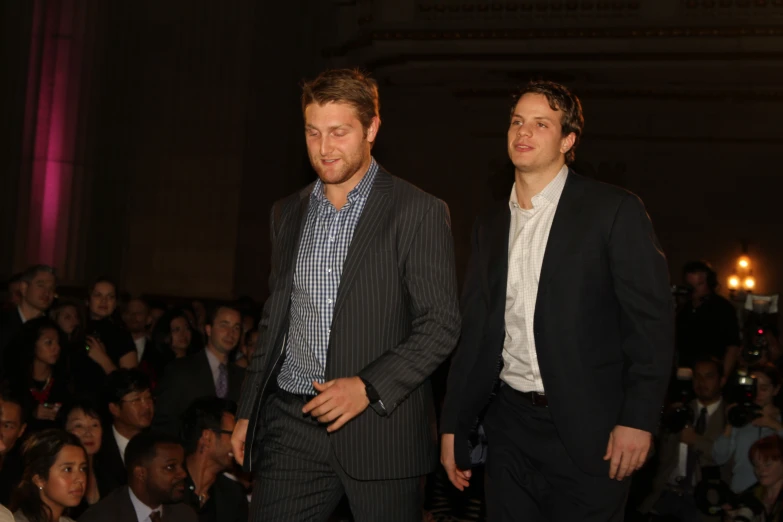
(138, 401)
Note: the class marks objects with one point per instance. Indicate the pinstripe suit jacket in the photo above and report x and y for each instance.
(395, 320)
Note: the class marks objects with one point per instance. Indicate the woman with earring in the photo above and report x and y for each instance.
(54, 478)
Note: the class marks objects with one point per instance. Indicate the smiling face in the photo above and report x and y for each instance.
(338, 145)
(535, 141)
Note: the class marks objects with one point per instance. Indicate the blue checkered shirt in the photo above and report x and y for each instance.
(325, 240)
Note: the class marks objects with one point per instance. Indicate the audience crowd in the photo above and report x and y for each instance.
(120, 408)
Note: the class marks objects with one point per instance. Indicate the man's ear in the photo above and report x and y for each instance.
(140, 473)
(372, 130)
(114, 409)
(21, 430)
(23, 288)
(567, 143)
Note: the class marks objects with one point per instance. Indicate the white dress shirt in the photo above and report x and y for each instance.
(527, 239)
(122, 442)
(143, 510)
(140, 343)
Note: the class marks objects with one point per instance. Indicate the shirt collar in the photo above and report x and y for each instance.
(712, 408)
(21, 315)
(122, 442)
(551, 193)
(362, 190)
(214, 363)
(142, 510)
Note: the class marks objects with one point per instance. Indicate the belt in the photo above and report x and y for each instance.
(301, 397)
(534, 398)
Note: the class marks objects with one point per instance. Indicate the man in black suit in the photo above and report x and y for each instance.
(206, 433)
(362, 309)
(131, 407)
(206, 373)
(38, 286)
(156, 484)
(567, 303)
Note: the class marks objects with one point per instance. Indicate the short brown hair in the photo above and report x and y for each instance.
(350, 86)
(560, 99)
(766, 449)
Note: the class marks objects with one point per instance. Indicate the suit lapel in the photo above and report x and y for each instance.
(565, 227)
(204, 374)
(376, 207)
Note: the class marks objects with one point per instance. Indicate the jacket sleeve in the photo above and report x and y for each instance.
(431, 284)
(641, 283)
(254, 372)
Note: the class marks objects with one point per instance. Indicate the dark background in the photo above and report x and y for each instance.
(183, 124)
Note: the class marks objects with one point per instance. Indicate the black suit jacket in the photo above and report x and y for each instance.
(230, 501)
(118, 507)
(603, 322)
(395, 320)
(185, 380)
(108, 464)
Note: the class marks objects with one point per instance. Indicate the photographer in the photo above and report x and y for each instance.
(688, 434)
(762, 502)
(707, 324)
(737, 441)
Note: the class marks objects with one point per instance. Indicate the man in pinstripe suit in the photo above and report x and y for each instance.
(362, 309)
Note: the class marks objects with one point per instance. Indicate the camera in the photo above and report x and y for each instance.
(742, 391)
(679, 414)
(681, 290)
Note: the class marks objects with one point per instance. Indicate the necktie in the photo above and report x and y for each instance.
(221, 388)
(693, 456)
(155, 516)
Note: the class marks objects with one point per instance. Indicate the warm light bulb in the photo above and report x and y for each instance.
(734, 282)
(744, 262)
(749, 283)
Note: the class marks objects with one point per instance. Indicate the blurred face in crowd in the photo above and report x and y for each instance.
(337, 143)
(87, 427)
(67, 480)
(39, 293)
(225, 330)
(11, 425)
(135, 411)
(765, 391)
(47, 347)
(535, 141)
(68, 319)
(698, 281)
(201, 314)
(180, 334)
(136, 317)
(249, 346)
(3, 448)
(103, 300)
(706, 382)
(164, 476)
(223, 451)
(768, 471)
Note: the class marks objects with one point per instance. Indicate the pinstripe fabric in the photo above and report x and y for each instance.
(324, 245)
(395, 320)
(300, 479)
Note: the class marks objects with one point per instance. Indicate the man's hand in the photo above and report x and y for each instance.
(338, 401)
(689, 436)
(460, 479)
(627, 449)
(238, 440)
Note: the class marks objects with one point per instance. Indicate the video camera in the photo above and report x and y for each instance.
(741, 390)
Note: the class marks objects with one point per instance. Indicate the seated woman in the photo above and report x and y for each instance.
(36, 372)
(173, 336)
(762, 502)
(107, 345)
(736, 442)
(80, 417)
(246, 348)
(54, 479)
(68, 316)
